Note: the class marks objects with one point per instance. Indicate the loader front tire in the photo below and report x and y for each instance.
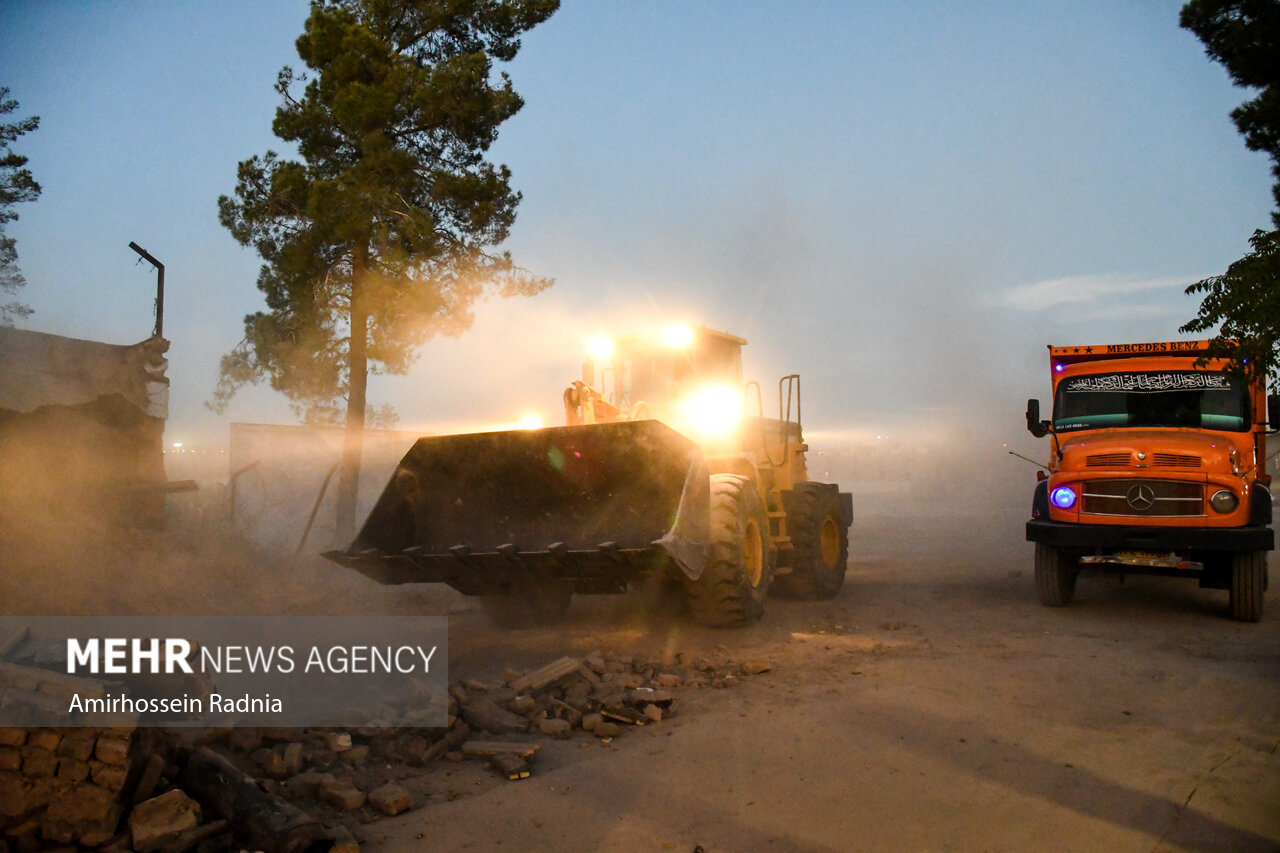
(532, 606)
(732, 588)
(819, 542)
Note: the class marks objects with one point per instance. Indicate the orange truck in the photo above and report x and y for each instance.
(1157, 465)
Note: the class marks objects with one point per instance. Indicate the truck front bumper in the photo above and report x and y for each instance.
(1117, 537)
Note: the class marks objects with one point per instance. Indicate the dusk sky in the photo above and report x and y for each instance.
(903, 202)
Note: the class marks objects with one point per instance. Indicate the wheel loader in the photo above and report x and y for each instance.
(667, 470)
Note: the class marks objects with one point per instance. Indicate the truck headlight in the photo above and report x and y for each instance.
(1224, 500)
(1063, 497)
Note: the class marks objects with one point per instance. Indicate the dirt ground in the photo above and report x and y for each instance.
(933, 705)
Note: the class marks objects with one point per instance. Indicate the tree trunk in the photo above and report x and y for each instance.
(357, 380)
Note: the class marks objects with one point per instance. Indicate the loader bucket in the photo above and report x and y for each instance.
(489, 513)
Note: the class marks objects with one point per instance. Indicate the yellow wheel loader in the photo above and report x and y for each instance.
(666, 469)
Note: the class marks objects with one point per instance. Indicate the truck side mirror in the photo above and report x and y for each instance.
(1035, 426)
(1273, 411)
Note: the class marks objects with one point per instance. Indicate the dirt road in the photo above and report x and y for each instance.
(934, 705)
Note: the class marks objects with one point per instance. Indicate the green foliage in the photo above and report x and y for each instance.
(1245, 302)
(16, 186)
(382, 233)
(1244, 35)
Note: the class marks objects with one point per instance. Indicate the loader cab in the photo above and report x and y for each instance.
(649, 375)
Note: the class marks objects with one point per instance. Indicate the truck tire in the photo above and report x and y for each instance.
(529, 607)
(732, 588)
(1055, 576)
(819, 542)
(1248, 583)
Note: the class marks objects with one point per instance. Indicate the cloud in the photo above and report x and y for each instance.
(1083, 290)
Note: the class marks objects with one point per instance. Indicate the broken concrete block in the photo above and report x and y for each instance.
(112, 750)
(390, 799)
(245, 739)
(555, 728)
(270, 762)
(342, 795)
(308, 784)
(486, 716)
(512, 766)
(590, 721)
(344, 841)
(606, 729)
(338, 741)
(160, 820)
(541, 679)
(292, 756)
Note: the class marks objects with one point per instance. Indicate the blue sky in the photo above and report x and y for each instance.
(903, 202)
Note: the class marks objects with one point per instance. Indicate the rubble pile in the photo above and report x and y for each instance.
(65, 784)
(288, 789)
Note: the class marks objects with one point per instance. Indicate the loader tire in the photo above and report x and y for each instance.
(733, 586)
(819, 542)
(1055, 576)
(1248, 583)
(529, 607)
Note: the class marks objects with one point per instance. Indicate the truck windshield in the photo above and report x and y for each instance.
(1172, 398)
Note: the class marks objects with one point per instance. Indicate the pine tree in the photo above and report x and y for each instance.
(382, 233)
(16, 186)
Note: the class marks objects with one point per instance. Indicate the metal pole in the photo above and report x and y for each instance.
(159, 332)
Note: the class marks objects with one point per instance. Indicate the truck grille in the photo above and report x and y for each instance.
(1175, 460)
(1108, 460)
(1146, 498)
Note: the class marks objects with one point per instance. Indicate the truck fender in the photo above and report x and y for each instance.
(1040, 500)
(1259, 505)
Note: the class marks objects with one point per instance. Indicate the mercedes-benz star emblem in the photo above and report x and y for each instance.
(1140, 497)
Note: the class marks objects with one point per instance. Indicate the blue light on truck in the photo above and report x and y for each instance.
(1063, 497)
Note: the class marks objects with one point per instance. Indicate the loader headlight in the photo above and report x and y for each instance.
(712, 411)
(601, 348)
(1224, 500)
(677, 337)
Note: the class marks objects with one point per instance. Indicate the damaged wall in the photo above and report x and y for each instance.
(82, 428)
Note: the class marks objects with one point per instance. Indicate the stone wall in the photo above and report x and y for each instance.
(66, 785)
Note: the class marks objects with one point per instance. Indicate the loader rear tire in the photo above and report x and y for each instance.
(732, 588)
(533, 606)
(819, 542)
